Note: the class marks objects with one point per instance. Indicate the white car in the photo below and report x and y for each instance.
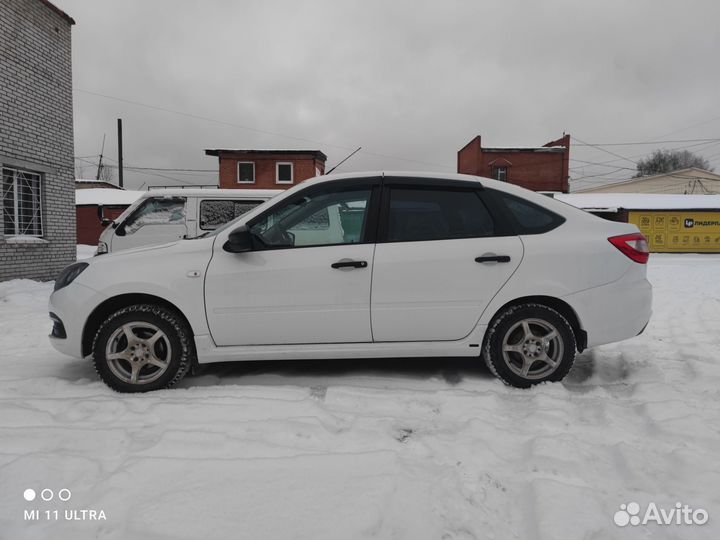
(370, 265)
(165, 215)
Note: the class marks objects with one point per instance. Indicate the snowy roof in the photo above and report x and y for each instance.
(640, 201)
(538, 149)
(216, 193)
(217, 151)
(108, 197)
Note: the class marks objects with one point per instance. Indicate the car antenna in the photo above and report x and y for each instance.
(344, 160)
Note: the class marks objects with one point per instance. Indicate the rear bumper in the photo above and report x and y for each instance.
(617, 311)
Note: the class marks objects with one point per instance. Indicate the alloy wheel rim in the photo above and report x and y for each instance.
(138, 353)
(532, 348)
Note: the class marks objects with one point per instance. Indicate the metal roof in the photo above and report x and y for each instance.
(217, 151)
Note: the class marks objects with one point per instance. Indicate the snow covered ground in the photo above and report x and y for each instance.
(383, 449)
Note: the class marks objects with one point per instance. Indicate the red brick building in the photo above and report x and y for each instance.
(267, 169)
(543, 168)
(93, 197)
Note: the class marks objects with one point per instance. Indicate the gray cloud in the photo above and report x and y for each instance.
(406, 79)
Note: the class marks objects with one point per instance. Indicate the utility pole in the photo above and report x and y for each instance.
(100, 165)
(120, 156)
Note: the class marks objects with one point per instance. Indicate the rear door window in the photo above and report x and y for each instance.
(436, 214)
(215, 213)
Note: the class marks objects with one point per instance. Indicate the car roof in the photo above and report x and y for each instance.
(451, 177)
(486, 183)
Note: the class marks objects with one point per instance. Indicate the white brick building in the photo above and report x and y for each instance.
(37, 230)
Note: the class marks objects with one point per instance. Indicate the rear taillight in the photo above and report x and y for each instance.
(633, 245)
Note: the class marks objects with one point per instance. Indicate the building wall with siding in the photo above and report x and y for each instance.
(36, 131)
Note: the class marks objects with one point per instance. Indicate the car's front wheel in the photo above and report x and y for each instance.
(528, 344)
(142, 347)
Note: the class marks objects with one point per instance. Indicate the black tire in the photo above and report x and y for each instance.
(546, 359)
(172, 350)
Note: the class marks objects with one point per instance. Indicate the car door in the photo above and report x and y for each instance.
(307, 279)
(441, 257)
(157, 220)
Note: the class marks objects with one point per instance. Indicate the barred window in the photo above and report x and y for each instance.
(22, 206)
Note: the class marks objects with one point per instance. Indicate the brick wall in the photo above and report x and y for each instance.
(89, 228)
(539, 169)
(304, 167)
(36, 131)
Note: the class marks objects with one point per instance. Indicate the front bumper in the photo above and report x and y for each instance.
(71, 305)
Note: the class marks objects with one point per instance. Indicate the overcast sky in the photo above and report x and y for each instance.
(410, 81)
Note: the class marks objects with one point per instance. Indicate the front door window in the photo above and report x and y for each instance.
(320, 219)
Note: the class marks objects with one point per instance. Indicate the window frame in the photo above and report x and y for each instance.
(203, 201)
(277, 172)
(495, 198)
(501, 225)
(16, 206)
(121, 230)
(496, 173)
(372, 184)
(237, 172)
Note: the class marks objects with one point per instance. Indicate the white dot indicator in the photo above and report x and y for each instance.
(29, 495)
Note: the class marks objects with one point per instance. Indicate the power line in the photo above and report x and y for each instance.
(180, 180)
(609, 163)
(606, 151)
(638, 143)
(248, 128)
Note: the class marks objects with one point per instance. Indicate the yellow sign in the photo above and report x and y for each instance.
(676, 232)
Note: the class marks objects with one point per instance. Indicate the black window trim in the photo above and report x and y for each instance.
(495, 198)
(372, 183)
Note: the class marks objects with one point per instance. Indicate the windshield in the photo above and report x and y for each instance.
(129, 210)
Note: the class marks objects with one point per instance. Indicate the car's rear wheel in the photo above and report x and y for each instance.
(142, 347)
(528, 344)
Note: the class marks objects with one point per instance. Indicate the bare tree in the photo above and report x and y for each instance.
(664, 161)
(107, 174)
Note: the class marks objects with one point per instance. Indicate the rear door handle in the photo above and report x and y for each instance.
(349, 264)
(493, 258)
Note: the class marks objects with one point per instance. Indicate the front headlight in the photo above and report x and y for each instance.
(68, 275)
(102, 248)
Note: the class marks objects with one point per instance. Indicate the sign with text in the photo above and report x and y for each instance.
(678, 231)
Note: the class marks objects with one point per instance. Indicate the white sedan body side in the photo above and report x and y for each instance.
(413, 299)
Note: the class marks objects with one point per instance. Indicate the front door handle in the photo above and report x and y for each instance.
(493, 258)
(349, 264)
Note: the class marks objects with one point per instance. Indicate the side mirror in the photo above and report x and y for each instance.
(239, 241)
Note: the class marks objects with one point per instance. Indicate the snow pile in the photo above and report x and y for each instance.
(639, 201)
(416, 449)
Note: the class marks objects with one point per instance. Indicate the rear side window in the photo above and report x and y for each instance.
(436, 214)
(216, 213)
(529, 218)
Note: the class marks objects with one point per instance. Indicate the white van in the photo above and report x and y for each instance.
(164, 215)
